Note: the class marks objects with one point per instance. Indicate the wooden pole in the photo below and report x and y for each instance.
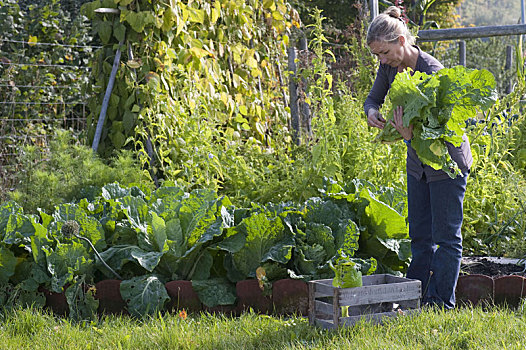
(507, 67)
(304, 106)
(293, 95)
(462, 53)
(374, 9)
(470, 33)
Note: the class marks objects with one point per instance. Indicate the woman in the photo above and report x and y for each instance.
(435, 200)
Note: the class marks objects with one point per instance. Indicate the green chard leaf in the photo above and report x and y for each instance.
(438, 106)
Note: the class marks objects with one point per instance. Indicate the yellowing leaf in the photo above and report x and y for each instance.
(196, 15)
(199, 53)
(286, 39)
(277, 16)
(32, 40)
(251, 62)
(216, 12)
(136, 63)
(329, 80)
(269, 4)
(438, 148)
(224, 98)
(243, 110)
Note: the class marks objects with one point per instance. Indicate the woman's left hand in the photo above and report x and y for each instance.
(398, 124)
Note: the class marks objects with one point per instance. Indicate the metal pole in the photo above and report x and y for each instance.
(109, 88)
(106, 100)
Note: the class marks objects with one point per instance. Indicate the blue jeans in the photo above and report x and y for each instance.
(435, 213)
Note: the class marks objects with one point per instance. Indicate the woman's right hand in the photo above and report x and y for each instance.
(375, 119)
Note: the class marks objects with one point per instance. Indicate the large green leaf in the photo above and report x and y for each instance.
(6, 210)
(7, 264)
(144, 295)
(65, 262)
(90, 228)
(216, 291)
(18, 227)
(39, 240)
(438, 106)
(384, 221)
(117, 256)
(266, 239)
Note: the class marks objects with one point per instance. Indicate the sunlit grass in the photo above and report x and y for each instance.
(464, 328)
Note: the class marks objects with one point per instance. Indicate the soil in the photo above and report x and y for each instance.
(492, 267)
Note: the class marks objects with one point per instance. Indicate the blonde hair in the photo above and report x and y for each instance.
(388, 27)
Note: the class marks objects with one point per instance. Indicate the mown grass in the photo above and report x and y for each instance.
(464, 328)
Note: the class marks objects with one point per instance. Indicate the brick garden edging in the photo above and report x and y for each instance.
(288, 297)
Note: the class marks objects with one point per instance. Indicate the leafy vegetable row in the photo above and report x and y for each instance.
(150, 238)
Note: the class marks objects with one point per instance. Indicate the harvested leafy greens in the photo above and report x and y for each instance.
(438, 106)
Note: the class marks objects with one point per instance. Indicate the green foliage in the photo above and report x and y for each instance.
(487, 13)
(339, 13)
(32, 71)
(145, 295)
(346, 275)
(68, 171)
(151, 238)
(438, 106)
(495, 219)
(477, 58)
(193, 60)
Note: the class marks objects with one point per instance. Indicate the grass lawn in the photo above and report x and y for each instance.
(463, 328)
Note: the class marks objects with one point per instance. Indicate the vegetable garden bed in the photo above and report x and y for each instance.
(288, 297)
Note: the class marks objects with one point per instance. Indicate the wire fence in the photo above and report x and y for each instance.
(39, 92)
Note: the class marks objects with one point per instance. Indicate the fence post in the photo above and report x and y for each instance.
(507, 67)
(293, 93)
(462, 53)
(304, 106)
(374, 9)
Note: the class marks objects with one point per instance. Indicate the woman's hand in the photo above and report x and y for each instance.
(374, 119)
(398, 124)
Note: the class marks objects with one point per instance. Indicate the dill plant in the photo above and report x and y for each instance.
(66, 171)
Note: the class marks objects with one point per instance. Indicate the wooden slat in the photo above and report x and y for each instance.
(409, 304)
(322, 289)
(336, 310)
(470, 33)
(323, 308)
(396, 279)
(392, 292)
(327, 324)
(312, 309)
(374, 279)
(351, 320)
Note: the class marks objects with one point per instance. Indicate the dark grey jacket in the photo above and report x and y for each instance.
(384, 78)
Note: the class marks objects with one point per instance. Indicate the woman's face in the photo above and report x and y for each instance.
(391, 53)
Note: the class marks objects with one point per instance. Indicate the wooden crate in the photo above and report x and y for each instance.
(380, 296)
